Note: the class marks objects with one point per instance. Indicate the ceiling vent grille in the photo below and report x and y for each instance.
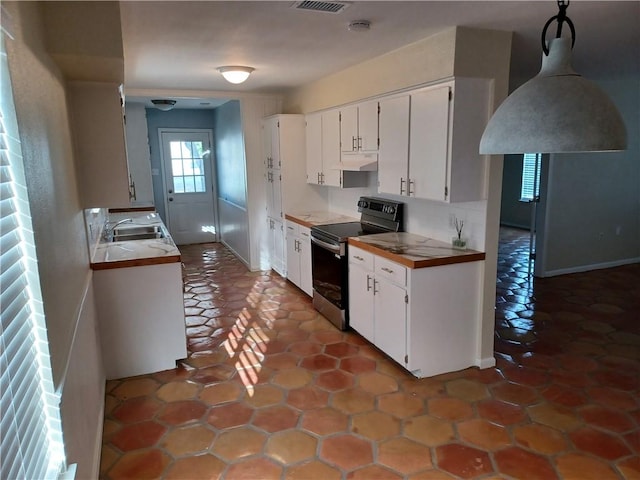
(326, 7)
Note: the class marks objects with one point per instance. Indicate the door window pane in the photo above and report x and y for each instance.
(187, 166)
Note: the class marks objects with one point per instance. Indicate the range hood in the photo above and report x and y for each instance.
(358, 163)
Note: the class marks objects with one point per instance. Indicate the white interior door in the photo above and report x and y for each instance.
(189, 185)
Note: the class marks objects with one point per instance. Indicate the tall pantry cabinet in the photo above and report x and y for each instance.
(285, 174)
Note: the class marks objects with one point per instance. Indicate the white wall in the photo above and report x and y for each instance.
(592, 211)
(231, 176)
(43, 120)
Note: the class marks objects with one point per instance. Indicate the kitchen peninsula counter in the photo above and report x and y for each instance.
(414, 251)
(134, 253)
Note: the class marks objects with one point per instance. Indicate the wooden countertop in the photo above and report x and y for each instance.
(414, 251)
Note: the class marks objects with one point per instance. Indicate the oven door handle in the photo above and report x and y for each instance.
(327, 246)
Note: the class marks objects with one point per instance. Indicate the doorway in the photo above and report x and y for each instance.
(189, 185)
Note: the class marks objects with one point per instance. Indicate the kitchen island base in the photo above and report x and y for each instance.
(142, 323)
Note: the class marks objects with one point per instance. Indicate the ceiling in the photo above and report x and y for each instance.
(179, 45)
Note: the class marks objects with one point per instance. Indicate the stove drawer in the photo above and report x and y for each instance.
(392, 271)
(357, 256)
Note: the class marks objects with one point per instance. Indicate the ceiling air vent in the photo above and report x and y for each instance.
(326, 7)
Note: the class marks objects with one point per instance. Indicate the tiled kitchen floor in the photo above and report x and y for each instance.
(272, 390)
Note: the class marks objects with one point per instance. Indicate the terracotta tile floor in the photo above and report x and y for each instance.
(272, 390)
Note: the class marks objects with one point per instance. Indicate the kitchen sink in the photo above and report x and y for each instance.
(137, 230)
(130, 233)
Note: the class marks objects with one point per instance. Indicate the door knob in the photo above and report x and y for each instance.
(171, 199)
(170, 190)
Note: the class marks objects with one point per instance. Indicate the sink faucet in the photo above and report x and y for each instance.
(108, 230)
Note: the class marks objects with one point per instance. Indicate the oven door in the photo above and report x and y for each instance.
(330, 279)
(329, 270)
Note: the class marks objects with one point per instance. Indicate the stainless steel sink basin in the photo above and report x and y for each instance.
(139, 232)
(125, 237)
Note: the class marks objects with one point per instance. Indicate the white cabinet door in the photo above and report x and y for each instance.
(359, 128)
(393, 159)
(274, 193)
(331, 148)
(361, 313)
(304, 251)
(349, 129)
(429, 143)
(390, 319)
(368, 127)
(313, 133)
(271, 143)
(277, 246)
(293, 254)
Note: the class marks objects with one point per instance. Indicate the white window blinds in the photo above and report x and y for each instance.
(530, 176)
(30, 431)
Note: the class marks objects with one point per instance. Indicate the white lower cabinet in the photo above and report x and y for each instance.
(425, 319)
(298, 240)
(141, 316)
(277, 246)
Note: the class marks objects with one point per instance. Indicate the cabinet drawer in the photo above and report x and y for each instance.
(392, 271)
(292, 229)
(305, 233)
(357, 256)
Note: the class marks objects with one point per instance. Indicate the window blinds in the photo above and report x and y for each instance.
(30, 431)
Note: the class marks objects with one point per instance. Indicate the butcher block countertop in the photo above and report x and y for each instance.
(309, 219)
(414, 251)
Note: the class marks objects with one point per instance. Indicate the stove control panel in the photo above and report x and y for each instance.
(381, 210)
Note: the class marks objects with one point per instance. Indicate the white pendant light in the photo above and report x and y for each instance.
(235, 74)
(556, 111)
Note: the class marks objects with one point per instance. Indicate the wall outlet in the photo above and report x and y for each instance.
(155, 171)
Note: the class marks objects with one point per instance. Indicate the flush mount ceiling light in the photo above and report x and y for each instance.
(556, 111)
(235, 74)
(163, 104)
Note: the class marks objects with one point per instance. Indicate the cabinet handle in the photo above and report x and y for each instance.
(411, 184)
(402, 182)
(353, 144)
(318, 180)
(385, 269)
(368, 284)
(375, 282)
(357, 257)
(359, 143)
(321, 178)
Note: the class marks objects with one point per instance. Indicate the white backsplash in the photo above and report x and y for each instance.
(422, 217)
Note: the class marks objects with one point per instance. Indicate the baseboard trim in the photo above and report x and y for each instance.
(236, 254)
(487, 362)
(97, 453)
(587, 268)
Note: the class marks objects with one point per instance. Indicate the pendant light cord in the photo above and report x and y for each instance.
(561, 17)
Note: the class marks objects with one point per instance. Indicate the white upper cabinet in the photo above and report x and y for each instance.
(313, 135)
(393, 157)
(271, 140)
(331, 148)
(359, 128)
(97, 123)
(428, 145)
(323, 152)
(445, 123)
